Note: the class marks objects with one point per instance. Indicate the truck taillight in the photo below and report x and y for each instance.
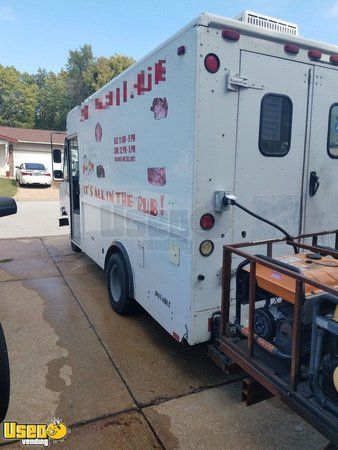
(207, 221)
(231, 35)
(206, 248)
(212, 63)
(314, 54)
(291, 48)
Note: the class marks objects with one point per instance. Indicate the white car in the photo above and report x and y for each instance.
(33, 173)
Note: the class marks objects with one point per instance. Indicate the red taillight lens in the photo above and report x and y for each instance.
(47, 174)
(291, 48)
(207, 221)
(212, 63)
(334, 59)
(314, 54)
(232, 35)
(26, 173)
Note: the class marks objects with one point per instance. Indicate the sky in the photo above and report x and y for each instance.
(36, 33)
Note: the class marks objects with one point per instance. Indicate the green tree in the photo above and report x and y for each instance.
(52, 102)
(42, 100)
(86, 74)
(105, 69)
(18, 97)
(79, 63)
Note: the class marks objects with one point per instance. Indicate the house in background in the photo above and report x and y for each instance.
(24, 145)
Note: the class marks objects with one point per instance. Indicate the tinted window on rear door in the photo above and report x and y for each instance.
(332, 142)
(275, 125)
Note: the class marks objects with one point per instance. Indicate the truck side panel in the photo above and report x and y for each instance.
(136, 140)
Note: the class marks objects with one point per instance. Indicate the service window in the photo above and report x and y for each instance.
(275, 125)
(332, 142)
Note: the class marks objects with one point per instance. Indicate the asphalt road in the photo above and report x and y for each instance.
(34, 218)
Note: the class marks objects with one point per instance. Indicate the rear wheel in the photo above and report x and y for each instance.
(118, 285)
(4, 377)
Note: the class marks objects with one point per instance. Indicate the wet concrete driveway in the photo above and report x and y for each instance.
(118, 382)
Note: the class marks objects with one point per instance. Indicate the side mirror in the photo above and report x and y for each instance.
(57, 175)
(57, 156)
(17, 167)
(7, 206)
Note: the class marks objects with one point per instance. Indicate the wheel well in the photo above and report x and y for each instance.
(118, 247)
(113, 249)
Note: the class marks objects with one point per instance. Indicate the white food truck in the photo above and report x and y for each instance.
(242, 106)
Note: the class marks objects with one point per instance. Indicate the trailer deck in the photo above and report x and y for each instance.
(241, 346)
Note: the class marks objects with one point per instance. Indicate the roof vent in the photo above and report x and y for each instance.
(268, 23)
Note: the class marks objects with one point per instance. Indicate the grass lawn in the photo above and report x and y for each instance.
(8, 187)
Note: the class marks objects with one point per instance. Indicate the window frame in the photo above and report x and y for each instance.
(70, 155)
(65, 163)
(263, 152)
(328, 133)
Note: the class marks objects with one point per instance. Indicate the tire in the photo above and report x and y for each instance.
(118, 285)
(75, 248)
(4, 377)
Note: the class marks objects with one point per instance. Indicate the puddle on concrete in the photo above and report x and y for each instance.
(33, 396)
(75, 371)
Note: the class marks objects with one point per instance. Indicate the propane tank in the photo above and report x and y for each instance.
(335, 315)
(335, 378)
(335, 373)
(330, 376)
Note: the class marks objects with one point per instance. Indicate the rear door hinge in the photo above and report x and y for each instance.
(234, 82)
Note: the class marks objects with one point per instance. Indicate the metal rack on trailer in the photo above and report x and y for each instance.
(305, 378)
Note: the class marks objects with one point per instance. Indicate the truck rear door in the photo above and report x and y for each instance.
(321, 177)
(70, 188)
(271, 141)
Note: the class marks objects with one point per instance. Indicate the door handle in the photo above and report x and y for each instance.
(314, 184)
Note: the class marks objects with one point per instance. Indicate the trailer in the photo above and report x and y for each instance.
(289, 344)
(225, 105)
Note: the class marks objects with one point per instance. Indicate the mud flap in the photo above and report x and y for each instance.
(63, 221)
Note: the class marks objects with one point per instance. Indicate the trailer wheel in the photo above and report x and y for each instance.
(4, 377)
(75, 248)
(118, 285)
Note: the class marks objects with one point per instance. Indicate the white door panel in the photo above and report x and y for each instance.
(321, 210)
(270, 183)
(74, 189)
